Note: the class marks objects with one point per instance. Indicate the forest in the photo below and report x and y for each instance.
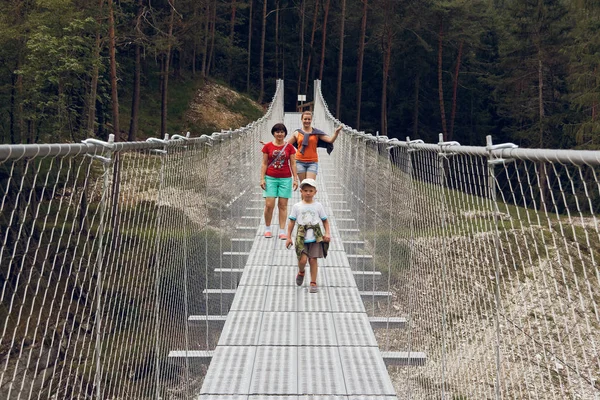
(524, 71)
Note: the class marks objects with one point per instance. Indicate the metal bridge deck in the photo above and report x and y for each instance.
(283, 342)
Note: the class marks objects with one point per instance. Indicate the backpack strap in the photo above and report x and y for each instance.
(281, 153)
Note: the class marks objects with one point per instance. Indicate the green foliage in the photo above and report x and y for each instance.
(48, 58)
(532, 88)
(55, 71)
(583, 78)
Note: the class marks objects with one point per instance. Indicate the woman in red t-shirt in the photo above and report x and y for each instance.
(278, 178)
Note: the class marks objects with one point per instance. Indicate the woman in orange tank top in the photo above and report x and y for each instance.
(306, 139)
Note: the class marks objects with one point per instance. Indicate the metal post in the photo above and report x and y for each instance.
(443, 224)
(493, 207)
(107, 162)
(162, 154)
(492, 161)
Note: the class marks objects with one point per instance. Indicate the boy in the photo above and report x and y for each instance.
(311, 243)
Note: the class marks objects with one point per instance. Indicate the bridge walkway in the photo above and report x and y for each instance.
(280, 340)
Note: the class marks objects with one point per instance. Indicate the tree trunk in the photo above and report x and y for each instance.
(594, 103)
(113, 71)
(416, 110)
(302, 13)
(195, 48)
(231, 39)
(541, 100)
(194, 61)
(455, 90)
(21, 124)
(277, 39)
(440, 83)
(387, 57)
(13, 107)
(361, 56)
(282, 66)
(135, 98)
(115, 123)
(91, 106)
(312, 41)
(543, 172)
(262, 53)
(249, 47)
(213, 23)
(166, 70)
(324, 39)
(340, 61)
(207, 13)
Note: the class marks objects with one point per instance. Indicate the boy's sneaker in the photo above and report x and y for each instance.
(299, 279)
(282, 236)
(313, 288)
(268, 234)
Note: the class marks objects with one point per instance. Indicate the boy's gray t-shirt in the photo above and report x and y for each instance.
(308, 214)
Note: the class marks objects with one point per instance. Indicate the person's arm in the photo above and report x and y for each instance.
(263, 171)
(331, 139)
(288, 242)
(294, 171)
(327, 235)
(325, 221)
(294, 138)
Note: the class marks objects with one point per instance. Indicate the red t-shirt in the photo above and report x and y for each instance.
(280, 168)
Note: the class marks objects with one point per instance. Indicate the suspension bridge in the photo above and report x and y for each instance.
(139, 270)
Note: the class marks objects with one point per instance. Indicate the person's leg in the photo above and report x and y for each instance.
(314, 269)
(301, 170)
(301, 265)
(312, 170)
(282, 204)
(269, 207)
(284, 193)
(302, 262)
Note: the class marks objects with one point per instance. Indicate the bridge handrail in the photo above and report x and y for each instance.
(575, 157)
(19, 151)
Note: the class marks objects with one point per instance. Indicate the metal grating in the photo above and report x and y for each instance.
(241, 329)
(255, 276)
(316, 329)
(362, 366)
(335, 259)
(354, 329)
(340, 277)
(281, 298)
(275, 371)
(281, 342)
(249, 298)
(236, 364)
(346, 300)
(286, 276)
(278, 329)
(320, 371)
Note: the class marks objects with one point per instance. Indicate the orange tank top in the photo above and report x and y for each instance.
(310, 152)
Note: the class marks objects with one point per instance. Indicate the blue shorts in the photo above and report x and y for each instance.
(278, 187)
(304, 167)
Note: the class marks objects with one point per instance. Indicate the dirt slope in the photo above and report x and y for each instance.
(217, 107)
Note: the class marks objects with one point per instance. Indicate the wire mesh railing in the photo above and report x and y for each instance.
(106, 248)
(491, 255)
